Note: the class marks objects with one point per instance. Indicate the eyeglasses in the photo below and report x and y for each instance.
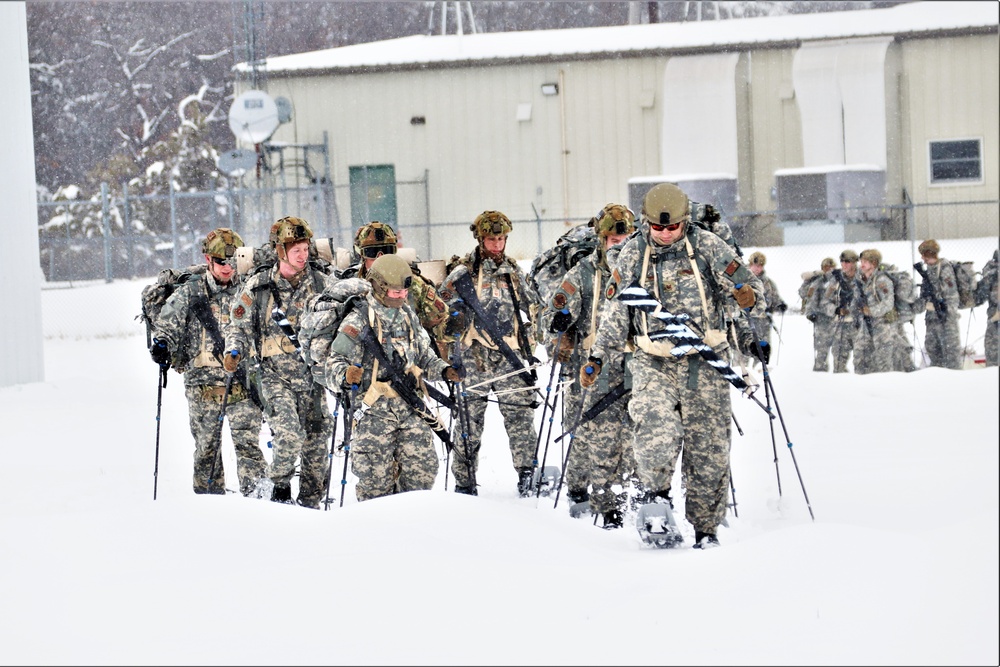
(230, 262)
(672, 227)
(373, 251)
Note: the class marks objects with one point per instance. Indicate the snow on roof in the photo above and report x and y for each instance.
(420, 50)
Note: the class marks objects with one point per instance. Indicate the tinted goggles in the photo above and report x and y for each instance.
(373, 251)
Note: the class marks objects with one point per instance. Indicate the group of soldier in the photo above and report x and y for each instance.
(854, 309)
(650, 398)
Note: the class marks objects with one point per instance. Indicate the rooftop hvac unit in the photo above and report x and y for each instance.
(831, 204)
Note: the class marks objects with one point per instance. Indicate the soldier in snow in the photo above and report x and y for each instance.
(987, 290)
(939, 298)
(189, 327)
(875, 347)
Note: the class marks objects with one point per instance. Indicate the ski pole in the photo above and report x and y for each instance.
(769, 391)
(348, 434)
(222, 416)
(464, 421)
(161, 382)
(732, 490)
(333, 448)
(781, 324)
(553, 362)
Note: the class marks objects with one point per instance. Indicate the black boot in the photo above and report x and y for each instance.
(662, 497)
(467, 490)
(524, 478)
(282, 493)
(578, 495)
(613, 519)
(705, 540)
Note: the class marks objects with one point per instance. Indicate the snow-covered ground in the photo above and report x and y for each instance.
(899, 567)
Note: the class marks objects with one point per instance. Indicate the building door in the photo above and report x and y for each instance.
(373, 194)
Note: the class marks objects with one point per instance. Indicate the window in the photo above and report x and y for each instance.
(956, 161)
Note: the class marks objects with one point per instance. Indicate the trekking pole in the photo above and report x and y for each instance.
(333, 448)
(161, 382)
(569, 447)
(781, 325)
(548, 437)
(732, 491)
(464, 421)
(553, 362)
(968, 328)
(768, 385)
(348, 434)
(222, 416)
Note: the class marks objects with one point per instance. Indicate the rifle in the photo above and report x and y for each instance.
(407, 390)
(199, 307)
(678, 330)
(467, 292)
(929, 292)
(597, 408)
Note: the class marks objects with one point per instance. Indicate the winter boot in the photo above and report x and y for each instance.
(705, 540)
(613, 519)
(524, 479)
(282, 493)
(467, 490)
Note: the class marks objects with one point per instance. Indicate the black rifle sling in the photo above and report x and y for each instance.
(522, 335)
(597, 408)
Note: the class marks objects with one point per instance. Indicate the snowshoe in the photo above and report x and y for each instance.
(656, 526)
(580, 510)
(545, 480)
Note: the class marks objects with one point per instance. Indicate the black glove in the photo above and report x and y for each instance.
(764, 353)
(710, 214)
(561, 322)
(160, 352)
(781, 307)
(812, 317)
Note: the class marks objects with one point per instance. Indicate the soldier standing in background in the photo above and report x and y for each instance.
(843, 292)
(988, 290)
(295, 404)
(875, 347)
(774, 303)
(817, 292)
(190, 327)
(939, 298)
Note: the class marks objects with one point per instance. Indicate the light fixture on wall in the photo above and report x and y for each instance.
(550, 89)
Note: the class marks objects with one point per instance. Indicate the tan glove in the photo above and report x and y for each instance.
(231, 361)
(353, 375)
(452, 374)
(565, 349)
(745, 296)
(589, 373)
(866, 311)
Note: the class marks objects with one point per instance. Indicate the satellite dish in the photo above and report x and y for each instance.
(237, 162)
(253, 118)
(284, 109)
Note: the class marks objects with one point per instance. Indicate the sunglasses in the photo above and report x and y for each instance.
(672, 227)
(223, 262)
(373, 251)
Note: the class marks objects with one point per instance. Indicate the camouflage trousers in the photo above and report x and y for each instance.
(875, 349)
(903, 359)
(992, 336)
(682, 408)
(607, 440)
(578, 463)
(392, 451)
(483, 364)
(204, 404)
(844, 334)
(942, 340)
(824, 328)
(302, 428)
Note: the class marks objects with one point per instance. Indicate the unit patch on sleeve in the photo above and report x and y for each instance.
(239, 312)
(559, 301)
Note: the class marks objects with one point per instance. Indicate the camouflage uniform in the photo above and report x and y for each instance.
(763, 323)
(205, 380)
(601, 453)
(842, 292)
(295, 405)
(821, 310)
(679, 403)
(493, 281)
(392, 449)
(941, 339)
(987, 291)
(875, 347)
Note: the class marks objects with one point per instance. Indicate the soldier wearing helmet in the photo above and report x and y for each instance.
(876, 341)
(818, 294)
(601, 457)
(939, 300)
(376, 239)
(842, 294)
(775, 304)
(680, 404)
(263, 329)
(392, 448)
(190, 327)
(511, 305)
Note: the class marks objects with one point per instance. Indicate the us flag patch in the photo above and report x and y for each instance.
(351, 330)
(245, 298)
(568, 287)
(731, 269)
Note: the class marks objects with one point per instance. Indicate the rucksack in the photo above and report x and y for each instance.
(319, 321)
(965, 279)
(548, 268)
(811, 280)
(904, 291)
(155, 295)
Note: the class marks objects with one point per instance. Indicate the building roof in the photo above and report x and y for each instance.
(430, 51)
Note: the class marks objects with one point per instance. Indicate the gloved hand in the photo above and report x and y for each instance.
(744, 296)
(566, 348)
(866, 311)
(843, 312)
(812, 317)
(590, 371)
(764, 354)
(710, 214)
(353, 375)
(780, 308)
(231, 361)
(453, 375)
(160, 352)
(561, 321)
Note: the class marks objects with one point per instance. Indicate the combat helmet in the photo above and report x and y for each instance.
(289, 230)
(386, 273)
(374, 239)
(929, 248)
(666, 204)
(827, 263)
(758, 258)
(849, 256)
(490, 223)
(614, 219)
(872, 255)
(221, 244)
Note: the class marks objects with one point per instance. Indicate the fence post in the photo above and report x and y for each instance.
(129, 240)
(106, 227)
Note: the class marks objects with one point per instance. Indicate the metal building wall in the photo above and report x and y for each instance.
(21, 359)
